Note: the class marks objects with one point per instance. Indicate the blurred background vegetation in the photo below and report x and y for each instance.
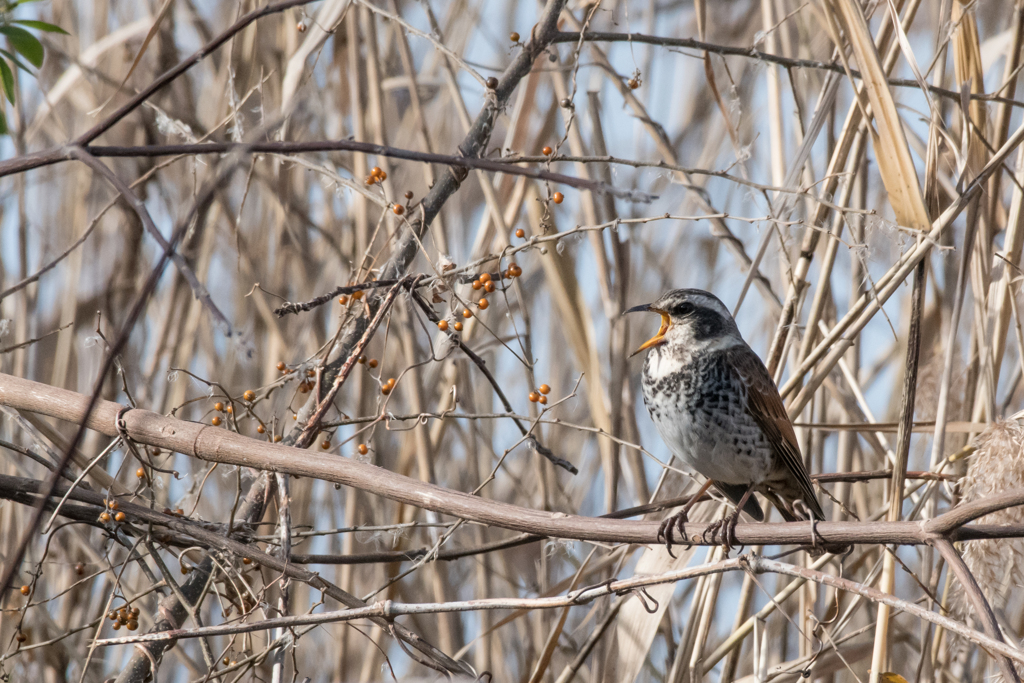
(737, 149)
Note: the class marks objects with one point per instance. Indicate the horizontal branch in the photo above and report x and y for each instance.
(215, 444)
(753, 53)
(286, 147)
(389, 610)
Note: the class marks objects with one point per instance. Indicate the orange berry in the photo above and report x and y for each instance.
(303, 388)
(520, 233)
(557, 198)
(80, 568)
(544, 389)
(477, 284)
(114, 505)
(104, 517)
(483, 304)
(185, 570)
(376, 171)
(325, 444)
(277, 438)
(343, 299)
(246, 560)
(116, 625)
(372, 363)
(132, 624)
(408, 194)
(25, 590)
(383, 175)
(363, 450)
(179, 511)
(371, 179)
(442, 325)
(215, 421)
(386, 389)
(534, 397)
(514, 37)
(391, 381)
(361, 360)
(458, 327)
(515, 270)
(485, 278)
(543, 400)
(633, 84)
(260, 429)
(140, 473)
(491, 83)
(357, 295)
(219, 407)
(300, 27)
(466, 313)
(281, 367)
(230, 410)
(249, 395)
(398, 209)
(119, 517)
(546, 151)
(489, 287)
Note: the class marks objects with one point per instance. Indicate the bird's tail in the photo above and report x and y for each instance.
(734, 492)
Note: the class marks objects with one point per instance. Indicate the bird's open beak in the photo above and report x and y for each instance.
(658, 338)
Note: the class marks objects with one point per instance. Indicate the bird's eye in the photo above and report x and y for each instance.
(684, 309)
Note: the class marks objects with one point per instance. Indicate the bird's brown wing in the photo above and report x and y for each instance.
(766, 407)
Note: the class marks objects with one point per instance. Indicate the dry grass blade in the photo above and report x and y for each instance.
(890, 142)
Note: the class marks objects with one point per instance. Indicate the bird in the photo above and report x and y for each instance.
(717, 408)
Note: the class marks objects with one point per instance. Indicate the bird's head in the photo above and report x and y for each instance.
(690, 317)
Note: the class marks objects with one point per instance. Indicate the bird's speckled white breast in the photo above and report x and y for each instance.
(722, 443)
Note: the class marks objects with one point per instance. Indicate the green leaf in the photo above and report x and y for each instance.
(42, 26)
(3, 123)
(14, 58)
(25, 43)
(7, 80)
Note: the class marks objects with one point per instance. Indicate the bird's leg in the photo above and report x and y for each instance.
(727, 524)
(679, 519)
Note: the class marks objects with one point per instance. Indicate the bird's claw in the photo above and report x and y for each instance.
(665, 531)
(727, 527)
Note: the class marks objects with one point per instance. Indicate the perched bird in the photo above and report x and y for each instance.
(720, 413)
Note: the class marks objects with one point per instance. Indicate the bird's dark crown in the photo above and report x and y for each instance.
(701, 313)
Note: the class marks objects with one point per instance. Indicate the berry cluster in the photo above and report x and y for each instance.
(377, 175)
(126, 616)
(540, 394)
